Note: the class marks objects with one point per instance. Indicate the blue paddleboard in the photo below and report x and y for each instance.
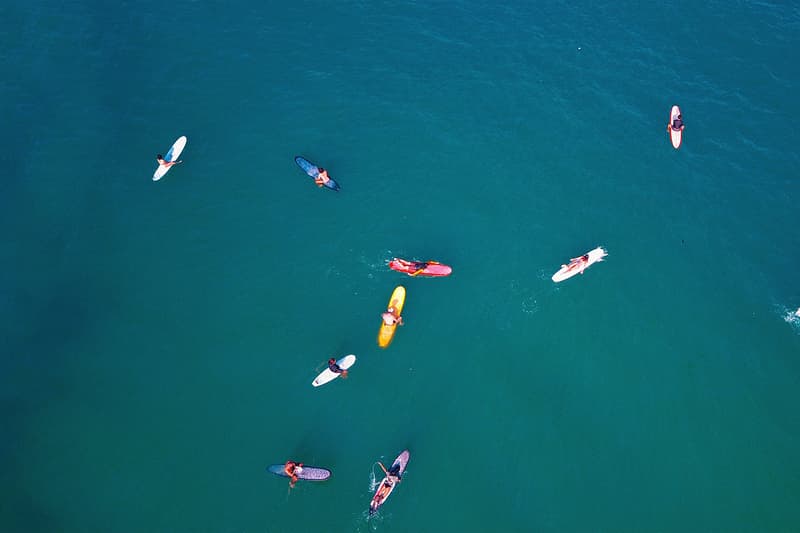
(311, 473)
(313, 170)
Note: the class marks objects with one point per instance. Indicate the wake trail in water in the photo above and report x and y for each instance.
(373, 479)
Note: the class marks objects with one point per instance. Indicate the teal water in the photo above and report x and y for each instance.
(159, 339)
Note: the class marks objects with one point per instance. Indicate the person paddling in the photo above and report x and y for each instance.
(387, 484)
(291, 469)
(393, 472)
(164, 163)
(335, 368)
(322, 177)
(419, 268)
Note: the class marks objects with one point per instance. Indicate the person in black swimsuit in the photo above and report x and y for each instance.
(419, 267)
(335, 368)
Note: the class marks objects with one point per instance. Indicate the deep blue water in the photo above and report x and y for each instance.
(159, 339)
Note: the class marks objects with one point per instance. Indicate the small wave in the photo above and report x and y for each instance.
(333, 272)
(528, 298)
(544, 275)
(374, 265)
(789, 316)
(364, 522)
(530, 305)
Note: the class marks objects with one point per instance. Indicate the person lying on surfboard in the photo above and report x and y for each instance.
(322, 178)
(578, 262)
(386, 488)
(390, 317)
(292, 469)
(388, 483)
(161, 162)
(677, 124)
(333, 367)
(420, 267)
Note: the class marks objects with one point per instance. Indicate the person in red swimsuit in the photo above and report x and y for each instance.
(291, 469)
(161, 162)
(578, 262)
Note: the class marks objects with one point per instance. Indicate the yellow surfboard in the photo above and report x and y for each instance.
(397, 300)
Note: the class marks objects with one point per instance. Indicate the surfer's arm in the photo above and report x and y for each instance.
(383, 468)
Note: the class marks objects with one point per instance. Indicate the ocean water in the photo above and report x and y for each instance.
(159, 339)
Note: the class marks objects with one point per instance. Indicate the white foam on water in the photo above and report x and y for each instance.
(364, 522)
(790, 316)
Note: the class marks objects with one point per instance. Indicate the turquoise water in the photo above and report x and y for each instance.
(159, 339)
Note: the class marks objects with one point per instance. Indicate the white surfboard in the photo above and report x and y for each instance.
(675, 136)
(327, 375)
(567, 272)
(172, 155)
